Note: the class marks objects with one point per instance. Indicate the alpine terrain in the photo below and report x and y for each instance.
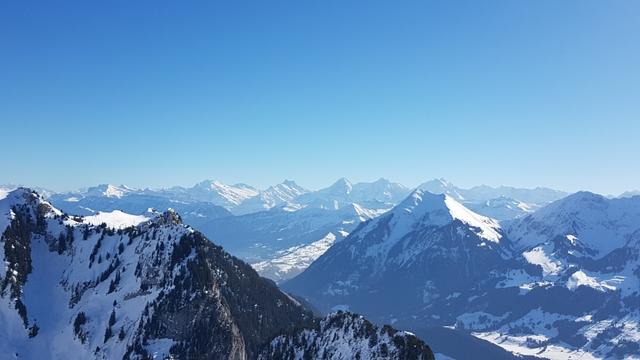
(153, 287)
(562, 282)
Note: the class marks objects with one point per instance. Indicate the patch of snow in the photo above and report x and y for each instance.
(115, 219)
(539, 256)
(292, 261)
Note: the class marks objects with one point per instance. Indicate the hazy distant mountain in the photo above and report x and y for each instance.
(158, 289)
(502, 208)
(227, 196)
(380, 194)
(281, 195)
(107, 198)
(502, 202)
(630, 193)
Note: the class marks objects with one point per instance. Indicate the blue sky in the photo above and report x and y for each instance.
(154, 93)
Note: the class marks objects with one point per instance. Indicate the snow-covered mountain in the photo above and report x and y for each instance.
(108, 190)
(631, 193)
(562, 283)
(593, 224)
(218, 193)
(377, 195)
(281, 195)
(159, 289)
(109, 198)
(275, 222)
(502, 208)
(423, 244)
(502, 202)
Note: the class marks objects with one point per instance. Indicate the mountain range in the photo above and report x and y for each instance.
(237, 213)
(562, 282)
(156, 289)
(535, 272)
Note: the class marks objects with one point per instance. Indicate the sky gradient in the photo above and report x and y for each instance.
(154, 93)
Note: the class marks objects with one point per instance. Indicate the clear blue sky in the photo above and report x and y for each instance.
(155, 93)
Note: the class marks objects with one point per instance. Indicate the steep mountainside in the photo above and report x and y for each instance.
(428, 246)
(562, 283)
(72, 290)
(328, 341)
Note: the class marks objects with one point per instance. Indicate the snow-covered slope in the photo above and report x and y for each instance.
(563, 282)
(442, 186)
(597, 225)
(377, 195)
(115, 219)
(72, 290)
(425, 246)
(501, 203)
(292, 261)
(281, 195)
(109, 190)
(502, 208)
(218, 193)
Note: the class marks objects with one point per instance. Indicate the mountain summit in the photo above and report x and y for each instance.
(427, 246)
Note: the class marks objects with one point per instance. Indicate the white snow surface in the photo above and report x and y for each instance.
(283, 194)
(292, 261)
(115, 219)
(591, 220)
(422, 208)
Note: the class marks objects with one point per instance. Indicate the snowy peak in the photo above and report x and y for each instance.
(596, 222)
(283, 194)
(222, 194)
(115, 219)
(441, 186)
(378, 195)
(382, 190)
(440, 209)
(341, 187)
(108, 190)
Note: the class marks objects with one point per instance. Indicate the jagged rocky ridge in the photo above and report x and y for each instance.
(159, 289)
(561, 283)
